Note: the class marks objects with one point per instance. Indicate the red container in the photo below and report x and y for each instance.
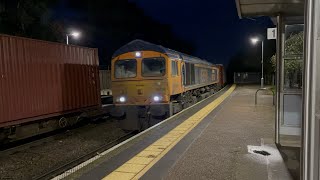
(40, 79)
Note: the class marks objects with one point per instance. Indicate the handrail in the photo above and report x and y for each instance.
(264, 89)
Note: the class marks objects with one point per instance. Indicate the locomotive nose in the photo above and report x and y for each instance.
(140, 92)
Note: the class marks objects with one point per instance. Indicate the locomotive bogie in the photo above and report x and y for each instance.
(133, 117)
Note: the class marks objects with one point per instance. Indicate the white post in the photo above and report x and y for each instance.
(262, 80)
(67, 39)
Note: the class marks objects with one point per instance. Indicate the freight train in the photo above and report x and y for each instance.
(45, 86)
(151, 82)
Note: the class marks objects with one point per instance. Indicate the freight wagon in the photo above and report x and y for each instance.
(45, 86)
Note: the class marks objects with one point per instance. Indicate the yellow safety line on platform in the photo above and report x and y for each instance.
(137, 166)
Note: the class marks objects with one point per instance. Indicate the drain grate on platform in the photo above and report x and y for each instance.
(262, 152)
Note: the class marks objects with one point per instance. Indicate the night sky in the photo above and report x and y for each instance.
(208, 29)
(212, 26)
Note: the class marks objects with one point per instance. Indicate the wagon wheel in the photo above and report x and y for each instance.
(63, 122)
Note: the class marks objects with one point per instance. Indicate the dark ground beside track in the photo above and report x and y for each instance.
(38, 159)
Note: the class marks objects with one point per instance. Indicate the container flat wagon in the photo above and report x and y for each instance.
(45, 85)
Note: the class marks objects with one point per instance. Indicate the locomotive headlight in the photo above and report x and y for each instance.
(157, 98)
(122, 99)
(138, 54)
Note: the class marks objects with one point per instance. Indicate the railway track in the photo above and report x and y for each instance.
(37, 139)
(59, 170)
(20, 143)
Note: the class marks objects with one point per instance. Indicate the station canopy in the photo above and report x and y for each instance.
(251, 8)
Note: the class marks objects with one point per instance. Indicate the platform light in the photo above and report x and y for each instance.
(254, 40)
(74, 34)
(138, 54)
(156, 98)
(122, 99)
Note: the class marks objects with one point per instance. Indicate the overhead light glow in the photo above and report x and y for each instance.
(138, 54)
(254, 40)
(75, 34)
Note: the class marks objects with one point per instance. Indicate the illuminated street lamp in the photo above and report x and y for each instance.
(254, 41)
(74, 34)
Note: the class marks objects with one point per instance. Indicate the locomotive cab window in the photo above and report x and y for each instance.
(174, 68)
(153, 67)
(125, 68)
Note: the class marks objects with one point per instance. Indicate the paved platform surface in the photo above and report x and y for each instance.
(221, 150)
(222, 145)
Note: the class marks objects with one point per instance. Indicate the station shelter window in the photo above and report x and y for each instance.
(293, 57)
(290, 106)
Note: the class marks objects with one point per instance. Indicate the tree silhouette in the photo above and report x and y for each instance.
(27, 18)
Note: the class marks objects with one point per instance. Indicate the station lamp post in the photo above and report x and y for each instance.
(74, 34)
(254, 41)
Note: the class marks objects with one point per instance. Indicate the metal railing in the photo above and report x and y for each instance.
(263, 89)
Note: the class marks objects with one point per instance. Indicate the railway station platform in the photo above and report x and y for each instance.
(226, 136)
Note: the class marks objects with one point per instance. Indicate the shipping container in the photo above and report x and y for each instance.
(40, 79)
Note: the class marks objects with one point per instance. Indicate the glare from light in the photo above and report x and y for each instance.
(122, 99)
(156, 98)
(254, 40)
(138, 54)
(75, 34)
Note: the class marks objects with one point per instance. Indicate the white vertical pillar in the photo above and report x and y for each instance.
(262, 78)
(278, 77)
(311, 93)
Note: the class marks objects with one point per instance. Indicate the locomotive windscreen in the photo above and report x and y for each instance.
(126, 68)
(153, 66)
